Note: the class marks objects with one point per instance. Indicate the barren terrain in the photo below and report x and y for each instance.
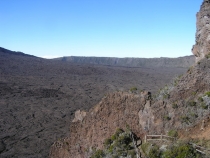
(38, 97)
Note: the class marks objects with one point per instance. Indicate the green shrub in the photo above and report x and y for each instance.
(193, 93)
(111, 149)
(193, 115)
(98, 154)
(204, 106)
(119, 143)
(207, 94)
(185, 119)
(180, 151)
(145, 147)
(200, 99)
(118, 131)
(107, 142)
(132, 153)
(125, 139)
(174, 106)
(113, 137)
(166, 96)
(154, 152)
(207, 56)
(191, 103)
(167, 118)
(123, 142)
(133, 89)
(173, 133)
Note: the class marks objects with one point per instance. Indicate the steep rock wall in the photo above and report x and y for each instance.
(117, 110)
(202, 45)
(186, 61)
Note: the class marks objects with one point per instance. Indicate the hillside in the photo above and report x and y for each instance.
(118, 126)
(175, 107)
(38, 97)
(184, 62)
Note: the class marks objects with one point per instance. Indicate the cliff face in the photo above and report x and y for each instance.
(202, 45)
(133, 62)
(117, 110)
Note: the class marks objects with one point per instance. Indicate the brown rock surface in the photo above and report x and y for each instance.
(116, 110)
(202, 46)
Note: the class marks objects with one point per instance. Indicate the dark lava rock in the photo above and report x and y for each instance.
(2, 146)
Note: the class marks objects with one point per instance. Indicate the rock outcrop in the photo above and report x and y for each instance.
(79, 116)
(116, 110)
(202, 45)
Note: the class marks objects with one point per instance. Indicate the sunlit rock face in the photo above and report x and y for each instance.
(202, 45)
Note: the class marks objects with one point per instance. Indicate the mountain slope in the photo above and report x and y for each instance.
(38, 97)
(176, 107)
(182, 106)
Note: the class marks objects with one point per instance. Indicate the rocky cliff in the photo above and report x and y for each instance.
(116, 110)
(202, 45)
(185, 62)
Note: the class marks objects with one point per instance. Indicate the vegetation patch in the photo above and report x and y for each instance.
(207, 94)
(154, 152)
(118, 145)
(173, 133)
(145, 148)
(167, 118)
(177, 150)
(174, 106)
(191, 103)
(207, 56)
(133, 89)
(200, 99)
(181, 151)
(98, 154)
(204, 106)
(194, 115)
(185, 119)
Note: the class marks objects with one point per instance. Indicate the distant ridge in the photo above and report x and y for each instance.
(6, 51)
(185, 62)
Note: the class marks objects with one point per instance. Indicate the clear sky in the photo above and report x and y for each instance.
(108, 28)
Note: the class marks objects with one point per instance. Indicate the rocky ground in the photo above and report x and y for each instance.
(38, 97)
(181, 106)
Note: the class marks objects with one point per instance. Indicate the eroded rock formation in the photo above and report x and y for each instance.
(202, 45)
(116, 110)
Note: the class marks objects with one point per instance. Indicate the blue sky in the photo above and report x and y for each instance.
(111, 28)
